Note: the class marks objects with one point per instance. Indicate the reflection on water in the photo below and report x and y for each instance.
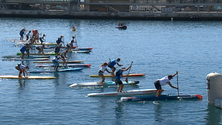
(158, 111)
(213, 115)
(118, 110)
(22, 83)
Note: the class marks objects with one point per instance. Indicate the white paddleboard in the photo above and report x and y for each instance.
(27, 77)
(125, 93)
(107, 83)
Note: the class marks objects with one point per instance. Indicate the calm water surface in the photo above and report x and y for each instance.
(157, 48)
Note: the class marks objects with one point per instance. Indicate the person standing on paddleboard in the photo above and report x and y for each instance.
(163, 81)
(102, 70)
(118, 76)
(22, 69)
(112, 63)
(64, 57)
(55, 61)
(70, 45)
(21, 33)
(23, 50)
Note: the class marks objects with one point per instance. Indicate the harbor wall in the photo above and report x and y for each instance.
(215, 15)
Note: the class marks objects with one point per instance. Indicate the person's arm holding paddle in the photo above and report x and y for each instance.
(172, 86)
(175, 74)
(171, 77)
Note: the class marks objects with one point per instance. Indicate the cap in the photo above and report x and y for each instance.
(123, 67)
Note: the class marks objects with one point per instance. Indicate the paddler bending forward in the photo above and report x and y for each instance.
(118, 76)
(102, 70)
(22, 69)
(112, 64)
(55, 61)
(163, 81)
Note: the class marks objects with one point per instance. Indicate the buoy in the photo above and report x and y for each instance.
(214, 87)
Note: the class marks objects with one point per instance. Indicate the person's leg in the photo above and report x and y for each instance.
(113, 70)
(121, 89)
(20, 74)
(103, 79)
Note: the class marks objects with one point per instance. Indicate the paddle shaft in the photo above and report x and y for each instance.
(177, 85)
(129, 71)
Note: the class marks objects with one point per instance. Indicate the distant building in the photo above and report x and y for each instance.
(114, 8)
(113, 5)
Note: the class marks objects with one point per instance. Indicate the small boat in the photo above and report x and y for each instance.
(125, 93)
(121, 25)
(60, 70)
(125, 75)
(69, 65)
(106, 83)
(161, 98)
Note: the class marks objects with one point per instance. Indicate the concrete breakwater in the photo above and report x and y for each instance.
(146, 15)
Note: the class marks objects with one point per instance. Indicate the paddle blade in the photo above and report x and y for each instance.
(126, 80)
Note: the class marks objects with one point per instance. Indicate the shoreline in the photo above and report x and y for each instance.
(208, 16)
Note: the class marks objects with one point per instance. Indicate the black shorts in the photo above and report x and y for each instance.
(100, 73)
(119, 82)
(111, 66)
(157, 85)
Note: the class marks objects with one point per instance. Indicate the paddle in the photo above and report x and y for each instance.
(129, 72)
(177, 85)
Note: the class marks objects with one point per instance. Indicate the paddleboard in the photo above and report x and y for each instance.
(50, 53)
(69, 65)
(17, 59)
(26, 56)
(75, 49)
(15, 40)
(60, 70)
(82, 51)
(107, 83)
(27, 77)
(77, 61)
(161, 98)
(125, 75)
(82, 48)
(125, 93)
(45, 43)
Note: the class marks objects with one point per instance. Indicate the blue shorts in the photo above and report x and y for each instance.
(56, 63)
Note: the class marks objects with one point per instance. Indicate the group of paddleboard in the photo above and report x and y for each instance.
(34, 41)
(111, 64)
(33, 38)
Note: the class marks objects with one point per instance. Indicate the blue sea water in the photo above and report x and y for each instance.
(157, 48)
